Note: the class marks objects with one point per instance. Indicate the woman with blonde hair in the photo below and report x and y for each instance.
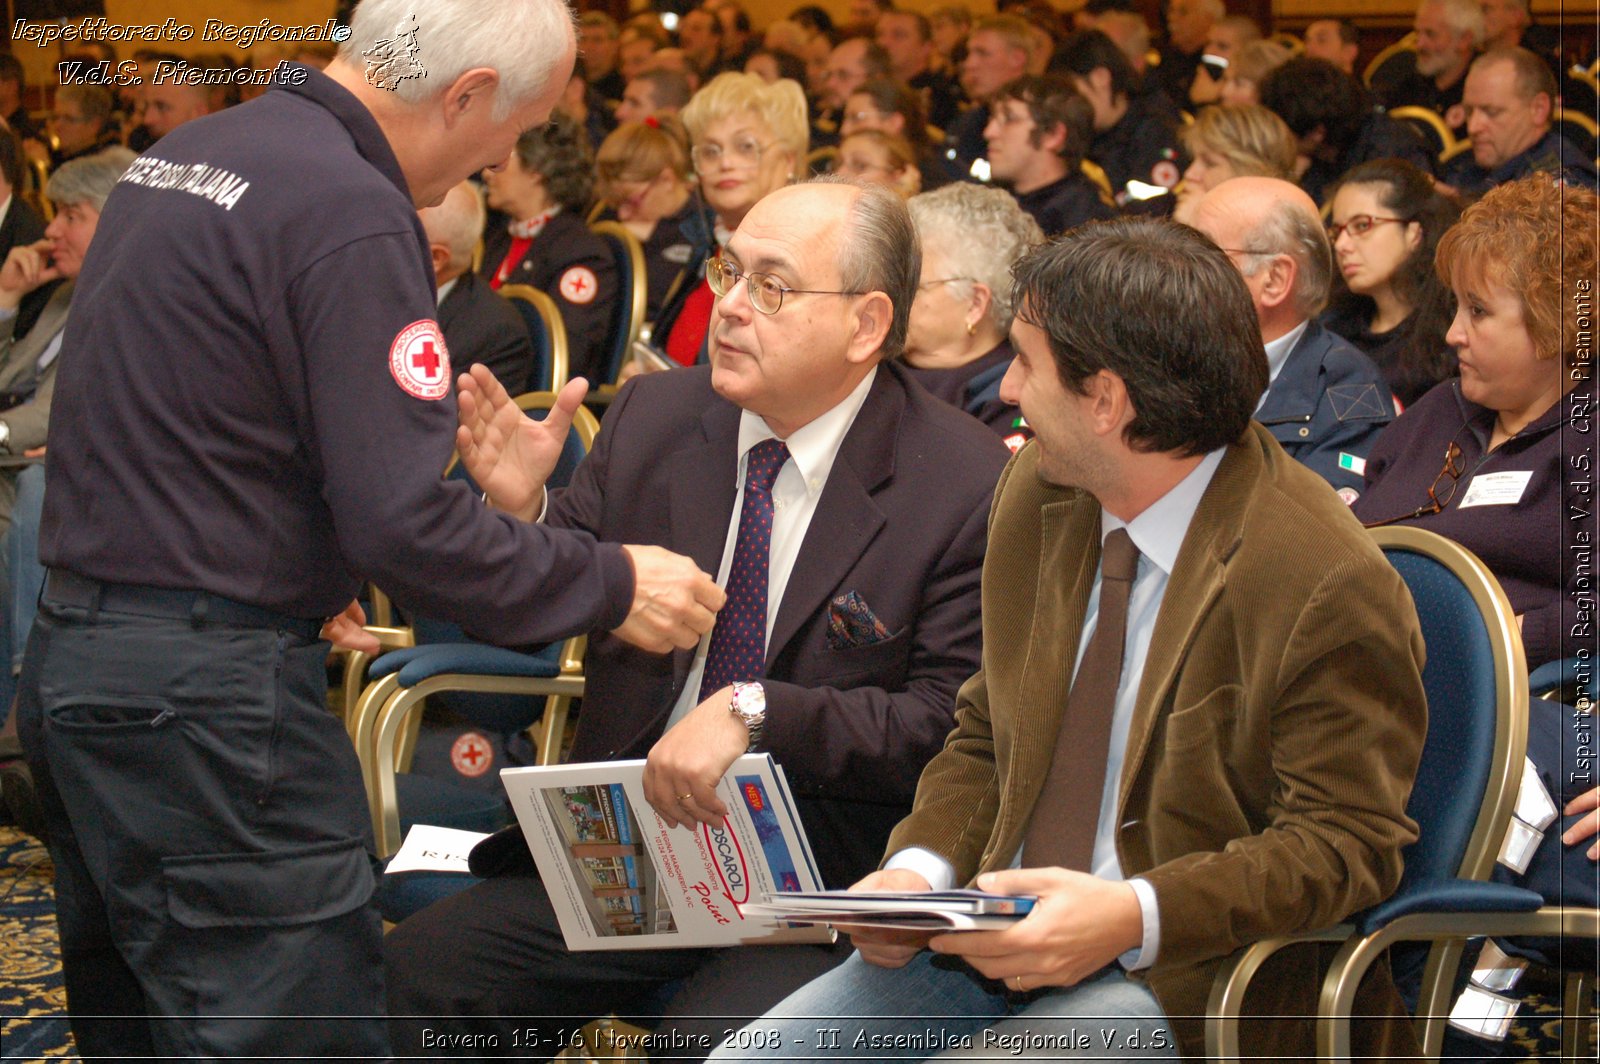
(749, 138)
(1232, 140)
(645, 180)
(1242, 81)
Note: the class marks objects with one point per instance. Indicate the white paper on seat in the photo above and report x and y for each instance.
(433, 849)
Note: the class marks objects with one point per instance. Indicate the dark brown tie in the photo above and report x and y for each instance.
(1062, 829)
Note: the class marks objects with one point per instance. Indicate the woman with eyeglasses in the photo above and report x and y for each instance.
(956, 344)
(895, 108)
(749, 139)
(880, 159)
(544, 190)
(1502, 460)
(646, 184)
(1385, 221)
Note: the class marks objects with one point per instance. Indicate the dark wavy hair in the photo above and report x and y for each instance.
(1307, 93)
(1406, 192)
(1174, 320)
(559, 152)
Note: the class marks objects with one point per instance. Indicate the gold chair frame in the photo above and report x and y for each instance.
(1408, 43)
(1224, 1010)
(383, 724)
(638, 301)
(554, 327)
(1447, 138)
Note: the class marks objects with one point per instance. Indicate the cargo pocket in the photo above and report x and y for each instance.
(279, 888)
(282, 933)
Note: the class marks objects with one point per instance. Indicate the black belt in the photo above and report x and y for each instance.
(63, 588)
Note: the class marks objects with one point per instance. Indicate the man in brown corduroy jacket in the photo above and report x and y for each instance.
(1259, 734)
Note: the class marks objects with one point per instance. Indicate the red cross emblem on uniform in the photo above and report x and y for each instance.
(579, 285)
(471, 754)
(420, 361)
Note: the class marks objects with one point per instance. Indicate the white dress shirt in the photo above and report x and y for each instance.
(1158, 532)
(1278, 356)
(812, 449)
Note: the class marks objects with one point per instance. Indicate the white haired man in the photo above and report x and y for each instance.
(258, 396)
(1449, 34)
(479, 325)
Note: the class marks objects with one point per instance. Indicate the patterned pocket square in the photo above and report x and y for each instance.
(851, 623)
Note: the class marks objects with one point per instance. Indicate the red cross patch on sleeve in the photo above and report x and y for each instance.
(419, 360)
(579, 285)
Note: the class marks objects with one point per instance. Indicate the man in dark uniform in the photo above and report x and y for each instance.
(1509, 96)
(1136, 129)
(907, 37)
(1449, 33)
(478, 325)
(1188, 24)
(998, 53)
(1037, 133)
(252, 413)
(1335, 122)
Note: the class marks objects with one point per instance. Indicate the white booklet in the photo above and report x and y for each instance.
(619, 878)
(948, 910)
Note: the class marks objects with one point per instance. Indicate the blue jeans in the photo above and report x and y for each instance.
(938, 1006)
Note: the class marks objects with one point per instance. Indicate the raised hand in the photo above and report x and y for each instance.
(508, 453)
(26, 268)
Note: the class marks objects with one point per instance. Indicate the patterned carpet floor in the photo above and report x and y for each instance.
(33, 1024)
(33, 1001)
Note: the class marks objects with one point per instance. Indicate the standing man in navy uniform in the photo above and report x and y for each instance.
(254, 415)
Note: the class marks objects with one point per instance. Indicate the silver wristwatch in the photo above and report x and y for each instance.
(749, 704)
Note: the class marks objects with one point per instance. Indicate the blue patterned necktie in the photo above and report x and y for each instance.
(738, 648)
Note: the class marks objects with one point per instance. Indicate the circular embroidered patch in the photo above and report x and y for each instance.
(578, 285)
(1165, 173)
(419, 360)
(472, 754)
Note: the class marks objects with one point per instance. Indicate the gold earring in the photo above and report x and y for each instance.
(972, 328)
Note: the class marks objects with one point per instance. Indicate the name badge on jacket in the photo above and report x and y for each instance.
(1497, 489)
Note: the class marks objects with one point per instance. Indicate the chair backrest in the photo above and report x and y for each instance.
(543, 319)
(1295, 45)
(628, 255)
(1097, 177)
(1394, 53)
(1476, 681)
(505, 713)
(38, 180)
(1579, 128)
(580, 437)
(1433, 128)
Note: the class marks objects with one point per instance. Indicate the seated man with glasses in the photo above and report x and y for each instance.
(844, 509)
(1326, 402)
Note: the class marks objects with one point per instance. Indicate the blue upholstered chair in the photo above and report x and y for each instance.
(543, 319)
(632, 284)
(385, 718)
(1477, 687)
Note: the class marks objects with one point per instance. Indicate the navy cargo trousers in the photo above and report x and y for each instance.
(208, 826)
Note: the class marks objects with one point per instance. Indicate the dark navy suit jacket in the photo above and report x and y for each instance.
(901, 522)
